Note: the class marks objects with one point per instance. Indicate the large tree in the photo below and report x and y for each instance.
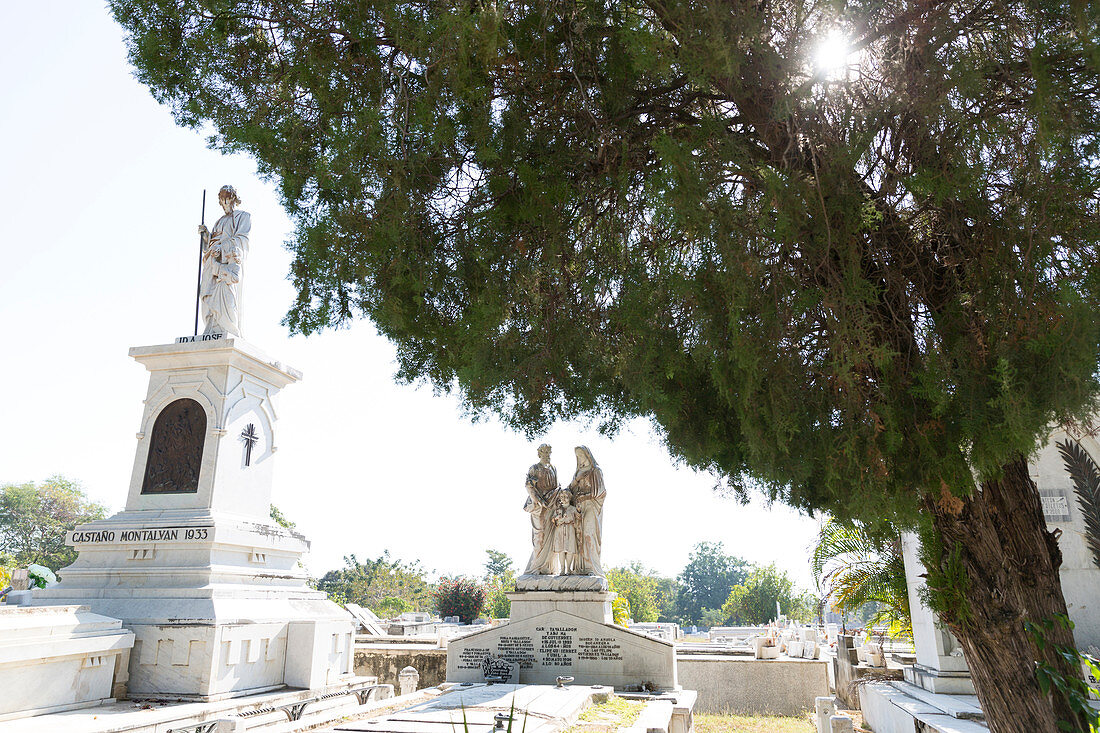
(707, 579)
(34, 518)
(869, 290)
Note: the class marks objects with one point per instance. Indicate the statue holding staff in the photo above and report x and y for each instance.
(224, 252)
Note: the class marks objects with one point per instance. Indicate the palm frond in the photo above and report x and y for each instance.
(1086, 484)
(854, 567)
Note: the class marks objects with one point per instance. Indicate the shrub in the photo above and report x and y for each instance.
(462, 597)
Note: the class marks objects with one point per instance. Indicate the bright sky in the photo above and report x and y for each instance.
(100, 195)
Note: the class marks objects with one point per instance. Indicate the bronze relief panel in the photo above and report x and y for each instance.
(175, 450)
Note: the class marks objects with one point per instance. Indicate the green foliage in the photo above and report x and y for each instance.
(499, 565)
(857, 567)
(371, 582)
(620, 611)
(851, 292)
(713, 617)
(462, 597)
(500, 578)
(391, 607)
(280, 519)
(1073, 690)
(754, 600)
(645, 591)
(35, 517)
(497, 604)
(945, 580)
(707, 579)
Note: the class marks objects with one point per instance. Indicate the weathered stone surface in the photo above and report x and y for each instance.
(385, 661)
(561, 582)
(556, 644)
(58, 658)
(753, 686)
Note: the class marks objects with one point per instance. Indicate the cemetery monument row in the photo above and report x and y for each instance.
(210, 587)
(561, 623)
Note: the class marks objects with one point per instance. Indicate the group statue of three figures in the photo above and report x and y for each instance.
(566, 524)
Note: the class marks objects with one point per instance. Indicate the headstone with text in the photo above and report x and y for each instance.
(556, 643)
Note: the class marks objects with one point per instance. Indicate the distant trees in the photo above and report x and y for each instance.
(765, 594)
(701, 595)
(500, 578)
(707, 579)
(642, 589)
(379, 584)
(35, 517)
(713, 589)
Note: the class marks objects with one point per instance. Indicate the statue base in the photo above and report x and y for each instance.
(591, 605)
(561, 582)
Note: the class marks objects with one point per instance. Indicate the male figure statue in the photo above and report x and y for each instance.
(542, 485)
(223, 258)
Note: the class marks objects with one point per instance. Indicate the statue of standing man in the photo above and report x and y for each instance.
(224, 252)
(542, 488)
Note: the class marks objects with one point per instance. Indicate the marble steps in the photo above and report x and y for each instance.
(262, 712)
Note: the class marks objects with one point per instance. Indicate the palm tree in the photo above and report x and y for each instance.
(855, 566)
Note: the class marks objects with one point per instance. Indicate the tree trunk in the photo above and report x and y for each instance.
(1010, 565)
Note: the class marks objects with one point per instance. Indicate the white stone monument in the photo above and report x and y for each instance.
(561, 623)
(194, 566)
(940, 665)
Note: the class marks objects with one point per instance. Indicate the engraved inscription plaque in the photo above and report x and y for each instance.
(175, 450)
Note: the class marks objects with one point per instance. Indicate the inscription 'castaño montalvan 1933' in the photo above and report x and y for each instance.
(159, 534)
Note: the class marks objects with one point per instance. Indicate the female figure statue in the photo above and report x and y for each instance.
(222, 261)
(588, 491)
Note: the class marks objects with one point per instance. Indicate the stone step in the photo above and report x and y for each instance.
(966, 707)
(656, 717)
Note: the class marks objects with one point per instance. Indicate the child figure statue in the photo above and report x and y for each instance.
(566, 521)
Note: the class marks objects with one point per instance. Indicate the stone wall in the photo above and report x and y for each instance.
(384, 661)
(849, 671)
(742, 685)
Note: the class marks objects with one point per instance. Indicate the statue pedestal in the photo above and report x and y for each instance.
(591, 605)
(554, 633)
(194, 566)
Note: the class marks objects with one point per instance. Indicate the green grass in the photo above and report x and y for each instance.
(612, 715)
(751, 724)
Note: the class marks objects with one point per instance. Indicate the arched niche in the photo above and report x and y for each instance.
(175, 449)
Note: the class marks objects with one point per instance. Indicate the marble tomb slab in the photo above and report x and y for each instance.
(58, 658)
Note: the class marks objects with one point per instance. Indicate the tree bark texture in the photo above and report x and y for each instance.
(1010, 562)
